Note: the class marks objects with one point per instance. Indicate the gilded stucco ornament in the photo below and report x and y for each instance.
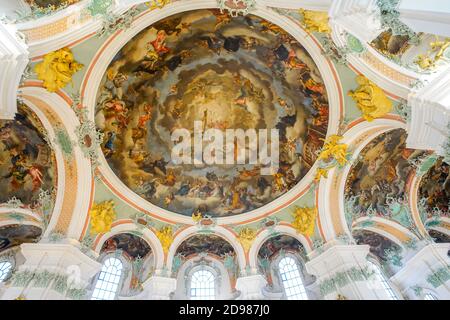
(157, 4)
(370, 99)
(429, 60)
(57, 69)
(315, 21)
(246, 237)
(333, 154)
(304, 219)
(102, 216)
(165, 236)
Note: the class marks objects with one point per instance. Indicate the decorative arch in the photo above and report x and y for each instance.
(265, 235)
(115, 42)
(55, 111)
(331, 191)
(148, 236)
(219, 231)
(31, 128)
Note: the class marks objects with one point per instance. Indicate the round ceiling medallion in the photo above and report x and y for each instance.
(176, 99)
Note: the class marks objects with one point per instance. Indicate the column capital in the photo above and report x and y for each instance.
(358, 17)
(428, 268)
(251, 287)
(52, 271)
(158, 288)
(430, 115)
(338, 258)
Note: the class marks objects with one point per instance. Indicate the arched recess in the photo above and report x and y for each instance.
(379, 242)
(428, 174)
(224, 287)
(147, 235)
(29, 166)
(219, 231)
(115, 42)
(389, 229)
(13, 234)
(265, 235)
(75, 181)
(331, 191)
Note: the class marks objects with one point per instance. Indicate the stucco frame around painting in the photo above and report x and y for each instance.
(116, 41)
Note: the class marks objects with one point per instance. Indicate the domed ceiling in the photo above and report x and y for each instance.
(240, 73)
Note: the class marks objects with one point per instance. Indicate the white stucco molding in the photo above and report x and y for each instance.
(265, 235)
(148, 236)
(430, 114)
(332, 189)
(359, 17)
(431, 16)
(83, 166)
(110, 48)
(338, 258)
(226, 234)
(416, 270)
(13, 61)
(58, 258)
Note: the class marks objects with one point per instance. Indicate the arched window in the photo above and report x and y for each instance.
(292, 280)
(5, 269)
(108, 280)
(429, 296)
(203, 285)
(381, 277)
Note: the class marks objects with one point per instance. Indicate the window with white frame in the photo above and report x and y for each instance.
(203, 285)
(291, 279)
(384, 282)
(429, 296)
(108, 280)
(5, 269)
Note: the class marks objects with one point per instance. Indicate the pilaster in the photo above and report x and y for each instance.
(427, 271)
(342, 270)
(51, 272)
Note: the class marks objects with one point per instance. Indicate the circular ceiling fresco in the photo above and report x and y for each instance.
(204, 70)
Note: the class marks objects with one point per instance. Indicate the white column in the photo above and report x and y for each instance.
(342, 270)
(251, 287)
(430, 115)
(158, 288)
(431, 263)
(51, 272)
(358, 17)
(13, 61)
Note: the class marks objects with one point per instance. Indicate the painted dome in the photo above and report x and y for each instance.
(202, 71)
